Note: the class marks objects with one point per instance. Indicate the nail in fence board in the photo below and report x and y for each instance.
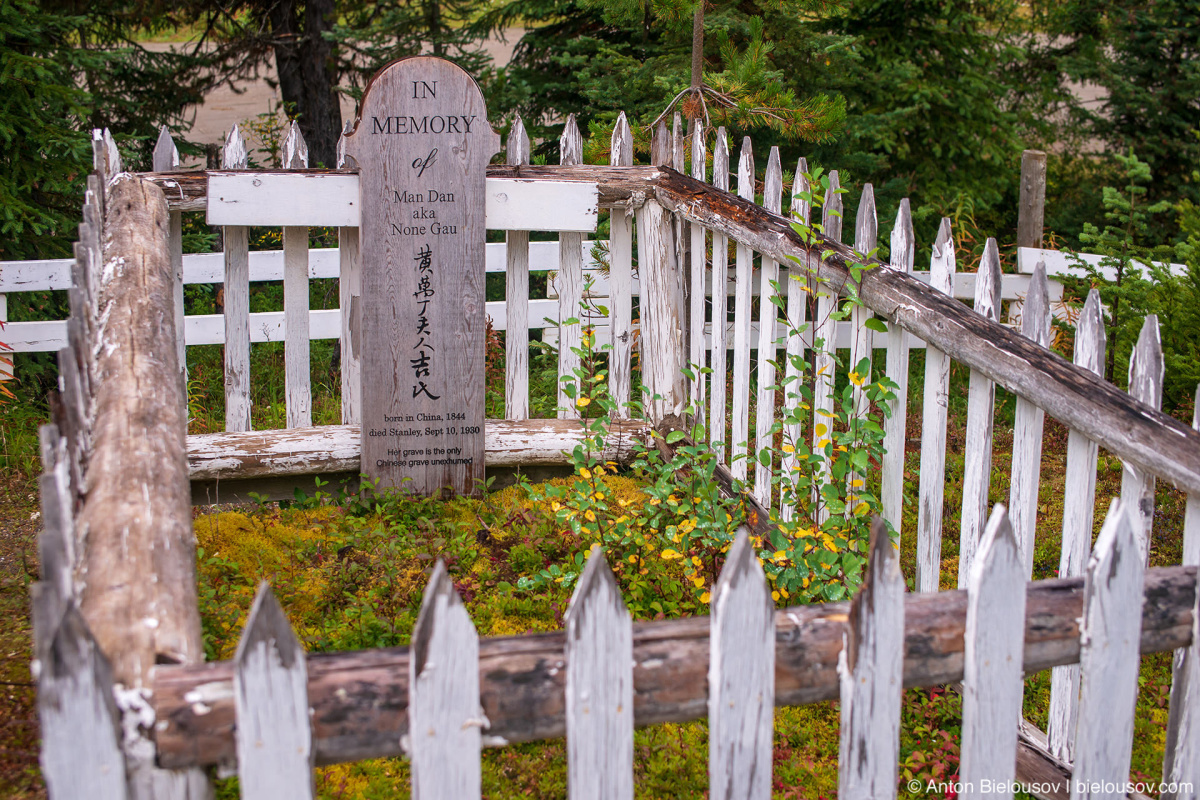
(741, 678)
(270, 688)
(935, 408)
(599, 696)
(422, 144)
(1079, 508)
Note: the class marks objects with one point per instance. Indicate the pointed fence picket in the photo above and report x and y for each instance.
(720, 311)
(825, 348)
(1079, 501)
(165, 158)
(569, 283)
(298, 389)
(270, 687)
(1027, 428)
(698, 290)
(1108, 659)
(1145, 384)
(744, 275)
(866, 234)
(891, 493)
(350, 303)
(798, 291)
(599, 691)
(444, 716)
(992, 678)
(1181, 752)
(516, 295)
(236, 244)
(935, 412)
(620, 277)
(981, 401)
(871, 669)
(764, 407)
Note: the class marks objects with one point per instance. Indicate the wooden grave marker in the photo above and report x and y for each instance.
(422, 143)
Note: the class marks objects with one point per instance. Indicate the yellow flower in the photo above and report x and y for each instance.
(585, 473)
(669, 553)
(857, 379)
(704, 598)
(583, 402)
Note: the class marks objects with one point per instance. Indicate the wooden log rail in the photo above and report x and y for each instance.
(338, 448)
(359, 700)
(1081, 400)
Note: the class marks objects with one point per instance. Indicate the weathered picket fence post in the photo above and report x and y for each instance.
(1181, 754)
(981, 402)
(992, 663)
(903, 253)
(871, 667)
(934, 411)
(236, 239)
(866, 234)
(350, 302)
(444, 716)
(744, 275)
(764, 407)
(663, 349)
(1109, 659)
(516, 295)
(798, 288)
(599, 701)
(620, 279)
(1079, 501)
(720, 312)
(699, 260)
(1145, 384)
(570, 285)
(166, 159)
(296, 359)
(270, 688)
(741, 678)
(1027, 428)
(824, 349)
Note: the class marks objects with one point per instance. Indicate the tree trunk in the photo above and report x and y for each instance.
(308, 74)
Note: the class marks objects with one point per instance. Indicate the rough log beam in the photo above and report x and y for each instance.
(338, 448)
(624, 187)
(360, 699)
(1074, 396)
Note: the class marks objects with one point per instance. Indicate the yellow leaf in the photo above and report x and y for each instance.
(670, 553)
(585, 473)
(861, 508)
(787, 448)
(583, 402)
(589, 515)
(704, 598)
(856, 379)
(821, 429)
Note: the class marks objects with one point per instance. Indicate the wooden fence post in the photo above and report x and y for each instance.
(1027, 428)
(992, 675)
(1079, 510)
(1145, 384)
(824, 349)
(444, 715)
(764, 406)
(720, 312)
(516, 295)
(739, 438)
(350, 303)
(866, 234)
(894, 427)
(270, 688)
(981, 401)
(599, 704)
(296, 356)
(662, 327)
(236, 240)
(570, 285)
(798, 286)
(1109, 659)
(166, 159)
(871, 668)
(1032, 210)
(741, 678)
(699, 261)
(1181, 756)
(620, 279)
